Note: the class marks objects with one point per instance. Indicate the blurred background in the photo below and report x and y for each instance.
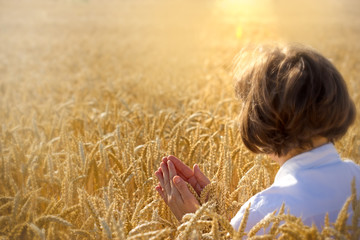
(153, 52)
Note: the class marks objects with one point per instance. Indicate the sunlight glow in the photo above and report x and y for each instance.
(239, 32)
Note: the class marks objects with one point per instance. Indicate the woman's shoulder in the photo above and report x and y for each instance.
(266, 201)
(353, 168)
(259, 206)
(351, 163)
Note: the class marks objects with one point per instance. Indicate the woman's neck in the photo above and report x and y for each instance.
(317, 142)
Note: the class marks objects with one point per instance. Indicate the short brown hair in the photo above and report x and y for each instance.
(290, 94)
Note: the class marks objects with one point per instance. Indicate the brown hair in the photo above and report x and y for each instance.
(289, 95)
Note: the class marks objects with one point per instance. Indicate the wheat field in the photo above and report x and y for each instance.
(94, 93)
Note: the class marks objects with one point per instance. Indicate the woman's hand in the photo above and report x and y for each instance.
(194, 177)
(174, 191)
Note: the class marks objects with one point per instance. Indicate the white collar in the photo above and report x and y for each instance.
(316, 157)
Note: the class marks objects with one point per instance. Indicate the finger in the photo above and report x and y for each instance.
(172, 173)
(164, 160)
(161, 193)
(202, 179)
(178, 172)
(172, 170)
(160, 171)
(174, 191)
(181, 175)
(184, 191)
(160, 177)
(165, 172)
(181, 167)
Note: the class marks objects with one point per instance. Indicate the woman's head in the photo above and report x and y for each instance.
(290, 95)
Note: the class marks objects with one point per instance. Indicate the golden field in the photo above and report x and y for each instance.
(94, 93)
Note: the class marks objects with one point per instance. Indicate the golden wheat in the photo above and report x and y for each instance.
(88, 108)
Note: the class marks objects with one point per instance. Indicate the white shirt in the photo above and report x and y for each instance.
(310, 184)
